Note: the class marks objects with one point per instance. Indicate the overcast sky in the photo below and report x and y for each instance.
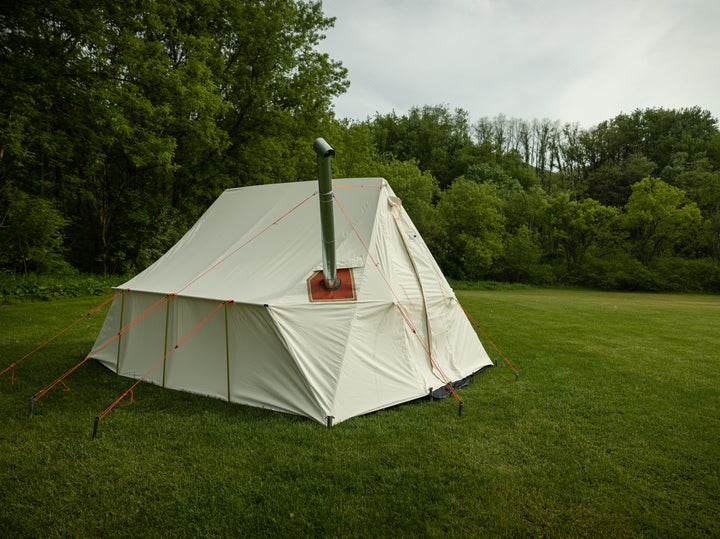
(582, 61)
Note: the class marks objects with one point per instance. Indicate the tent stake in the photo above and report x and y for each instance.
(95, 426)
(460, 405)
(32, 405)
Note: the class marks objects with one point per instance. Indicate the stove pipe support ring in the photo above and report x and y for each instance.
(327, 221)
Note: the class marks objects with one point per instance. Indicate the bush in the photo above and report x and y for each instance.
(682, 275)
(31, 234)
(16, 288)
(620, 272)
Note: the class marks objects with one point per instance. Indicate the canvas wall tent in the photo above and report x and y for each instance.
(393, 332)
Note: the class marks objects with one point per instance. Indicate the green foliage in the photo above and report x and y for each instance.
(16, 288)
(417, 190)
(573, 226)
(355, 154)
(484, 172)
(522, 256)
(357, 157)
(31, 234)
(660, 220)
(567, 201)
(438, 139)
(472, 220)
(627, 148)
(120, 108)
(620, 271)
(611, 182)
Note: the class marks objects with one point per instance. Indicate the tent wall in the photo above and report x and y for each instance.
(452, 340)
(263, 373)
(200, 364)
(142, 345)
(251, 352)
(383, 365)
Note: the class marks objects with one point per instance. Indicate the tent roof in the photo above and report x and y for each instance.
(255, 243)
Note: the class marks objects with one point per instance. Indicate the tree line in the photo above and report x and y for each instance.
(632, 203)
(120, 122)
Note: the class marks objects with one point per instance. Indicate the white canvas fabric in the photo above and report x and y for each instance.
(269, 344)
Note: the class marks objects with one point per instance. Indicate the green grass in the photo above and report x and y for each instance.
(611, 430)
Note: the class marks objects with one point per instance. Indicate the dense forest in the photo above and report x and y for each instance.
(121, 121)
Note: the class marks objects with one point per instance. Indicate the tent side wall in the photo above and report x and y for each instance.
(245, 361)
(454, 344)
(380, 367)
(199, 365)
(263, 373)
(142, 316)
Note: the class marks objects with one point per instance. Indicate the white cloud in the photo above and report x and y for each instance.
(583, 61)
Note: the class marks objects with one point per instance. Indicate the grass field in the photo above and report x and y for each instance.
(612, 429)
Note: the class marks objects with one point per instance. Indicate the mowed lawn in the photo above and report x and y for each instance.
(612, 429)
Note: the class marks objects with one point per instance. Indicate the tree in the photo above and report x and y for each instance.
(522, 254)
(702, 184)
(119, 110)
(482, 172)
(574, 225)
(31, 232)
(659, 220)
(357, 157)
(472, 222)
(610, 182)
(439, 140)
(658, 140)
